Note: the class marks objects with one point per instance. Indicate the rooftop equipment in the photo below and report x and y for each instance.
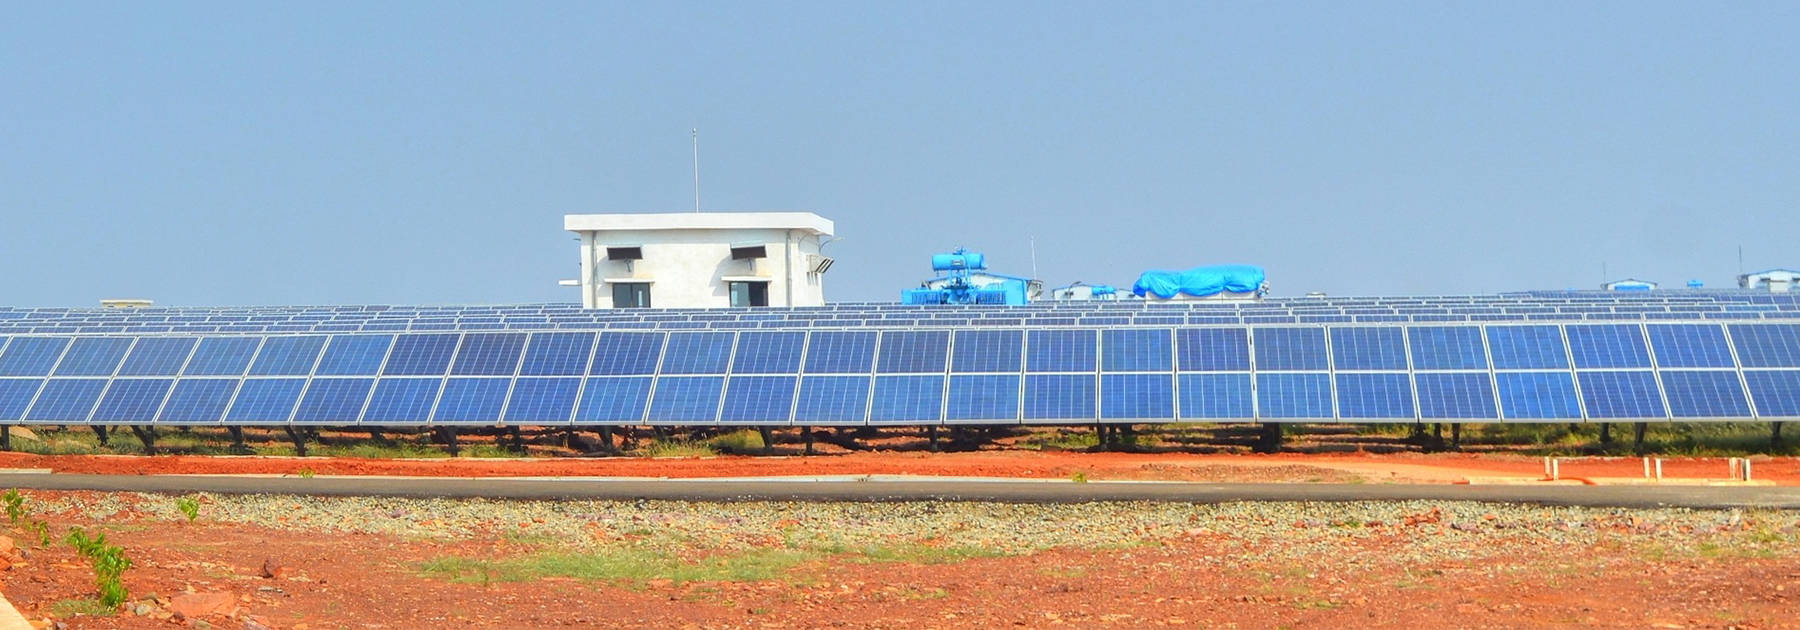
(965, 280)
(1218, 282)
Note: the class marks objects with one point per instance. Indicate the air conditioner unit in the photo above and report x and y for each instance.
(817, 263)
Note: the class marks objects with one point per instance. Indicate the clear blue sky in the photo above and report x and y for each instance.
(346, 153)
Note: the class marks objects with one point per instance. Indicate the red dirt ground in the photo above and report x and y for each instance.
(1401, 467)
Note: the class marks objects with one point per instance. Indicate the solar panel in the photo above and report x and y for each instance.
(686, 399)
(1374, 396)
(832, 399)
(402, 400)
(1767, 345)
(1537, 395)
(698, 353)
(557, 354)
(94, 356)
(16, 395)
(354, 355)
(1216, 396)
(911, 351)
(614, 399)
(66, 399)
(472, 399)
(627, 354)
(1213, 349)
(542, 400)
(1368, 348)
(1690, 345)
(1456, 395)
(831, 352)
(1776, 392)
(222, 356)
(1137, 396)
(1293, 395)
(198, 400)
(334, 400)
(990, 397)
(1527, 347)
(769, 353)
(1705, 394)
(489, 354)
(1058, 350)
(987, 351)
(1059, 397)
(1608, 346)
(262, 400)
(1627, 394)
(759, 399)
(1136, 350)
(288, 356)
(906, 398)
(420, 355)
(32, 356)
(1290, 349)
(1447, 348)
(132, 399)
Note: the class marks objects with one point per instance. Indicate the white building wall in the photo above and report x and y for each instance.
(687, 257)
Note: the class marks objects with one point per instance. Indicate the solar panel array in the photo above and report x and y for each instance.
(914, 373)
(1523, 307)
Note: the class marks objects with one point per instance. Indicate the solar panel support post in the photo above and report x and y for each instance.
(147, 435)
(932, 437)
(516, 443)
(237, 439)
(1774, 434)
(1271, 438)
(806, 437)
(298, 436)
(448, 435)
(100, 432)
(768, 440)
(1605, 433)
(606, 439)
(1637, 437)
(5, 437)
(1456, 436)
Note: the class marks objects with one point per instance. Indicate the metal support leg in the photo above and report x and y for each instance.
(147, 435)
(806, 436)
(518, 439)
(606, 439)
(1637, 438)
(1605, 433)
(768, 439)
(100, 431)
(1271, 437)
(1456, 435)
(569, 437)
(931, 431)
(1775, 434)
(298, 437)
(237, 439)
(448, 434)
(5, 437)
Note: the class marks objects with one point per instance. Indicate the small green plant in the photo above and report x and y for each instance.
(1079, 477)
(189, 507)
(42, 530)
(305, 473)
(109, 563)
(74, 607)
(15, 505)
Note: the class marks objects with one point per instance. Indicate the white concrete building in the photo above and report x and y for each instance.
(1629, 284)
(701, 260)
(1775, 280)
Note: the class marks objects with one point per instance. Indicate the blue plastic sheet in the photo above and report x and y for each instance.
(1200, 281)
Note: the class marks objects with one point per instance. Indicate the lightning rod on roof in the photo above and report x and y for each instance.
(696, 169)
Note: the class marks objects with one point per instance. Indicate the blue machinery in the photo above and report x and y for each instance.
(960, 285)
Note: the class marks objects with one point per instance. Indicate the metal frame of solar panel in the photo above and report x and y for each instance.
(1525, 371)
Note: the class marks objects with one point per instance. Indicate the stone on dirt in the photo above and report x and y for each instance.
(272, 569)
(196, 605)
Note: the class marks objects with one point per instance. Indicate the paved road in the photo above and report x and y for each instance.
(917, 490)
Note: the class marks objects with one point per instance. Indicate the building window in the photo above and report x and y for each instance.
(749, 294)
(631, 295)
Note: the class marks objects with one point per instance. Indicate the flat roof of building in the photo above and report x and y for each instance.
(806, 221)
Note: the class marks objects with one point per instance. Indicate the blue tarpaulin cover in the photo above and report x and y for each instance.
(1200, 281)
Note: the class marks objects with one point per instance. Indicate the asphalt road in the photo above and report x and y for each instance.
(1709, 497)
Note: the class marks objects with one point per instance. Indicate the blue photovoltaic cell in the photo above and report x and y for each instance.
(1767, 345)
(94, 356)
(402, 400)
(489, 354)
(132, 400)
(1368, 348)
(848, 352)
(832, 399)
(420, 355)
(768, 353)
(158, 356)
(758, 399)
(66, 399)
(627, 354)
(198, 400)
(353, 355)
(1777, 392)
(265, 400)
(907, 398)
(1537, 395)
(614, 400)
(1136, 350)
(697, 353)
(1705, 394)
(1059, 351)
(1527, 348)
(1059, 397)
(1213, 349)
(987, 351)
(686, 398)
(1216, 396)
(334, 400)
(1293, 395)
(1608, 346)
(222, 356)
(1455, 396)
(557, 354)
(1689, 345)
(1137, 396)
(543, 399)
(472, 400)
(983, 396)
(32, 356)
(1290, 349)
(1621, 395)
(1375, 396)
(287, 356)
(16, 395)
(904, 351)
(1447, 348)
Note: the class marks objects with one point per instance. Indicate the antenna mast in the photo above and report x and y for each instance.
(696, 169)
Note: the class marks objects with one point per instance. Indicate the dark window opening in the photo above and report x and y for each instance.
(624, 253)
(631, 295)
(749, 294)
(747, 252)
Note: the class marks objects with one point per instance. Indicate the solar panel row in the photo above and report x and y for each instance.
(1352, 373)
